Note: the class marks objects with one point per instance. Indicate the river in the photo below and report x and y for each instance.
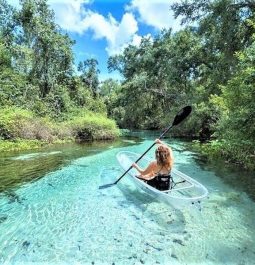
(52, 212)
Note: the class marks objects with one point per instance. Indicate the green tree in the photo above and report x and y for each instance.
(7, 23)
(51, 58)
(224, 28)
(12, 84)
(160, 75)
(110, 91)
(237, 102)
(89, 75)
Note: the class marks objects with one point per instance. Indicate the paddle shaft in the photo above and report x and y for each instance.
(178, 118)
(160, 137)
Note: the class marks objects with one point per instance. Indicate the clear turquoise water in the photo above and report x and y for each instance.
(61, 217)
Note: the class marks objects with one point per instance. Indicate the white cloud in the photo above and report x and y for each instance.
(125, 32)
(69, 14)
(155, 13)
(75, 3)
(73, 16)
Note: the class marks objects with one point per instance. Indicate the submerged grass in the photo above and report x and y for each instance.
(23, 144)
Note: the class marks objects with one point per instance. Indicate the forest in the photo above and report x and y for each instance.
(42, 98)
(209, 64)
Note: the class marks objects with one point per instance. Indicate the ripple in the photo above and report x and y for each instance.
(62, 217)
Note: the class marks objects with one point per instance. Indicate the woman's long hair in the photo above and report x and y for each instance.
(163, 157)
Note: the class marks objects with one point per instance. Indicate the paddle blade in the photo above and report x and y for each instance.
(183, 114)
(106, 186)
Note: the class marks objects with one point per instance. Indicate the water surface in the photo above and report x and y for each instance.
(52, 212)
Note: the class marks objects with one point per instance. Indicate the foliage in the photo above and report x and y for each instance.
(88, 126)
(235, 128)
(51, 53)
(159, 76)
(238, 100)
(89, 74)
(18, 125)
(239, 152)
(209, 65)
(20, 144)
(36, 71)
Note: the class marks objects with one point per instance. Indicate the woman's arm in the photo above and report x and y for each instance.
(171, 157)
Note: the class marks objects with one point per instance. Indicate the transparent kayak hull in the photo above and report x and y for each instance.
(186, 191)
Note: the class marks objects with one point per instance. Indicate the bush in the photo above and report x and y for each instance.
(20, 144)
(19, 125)
(11, 119)
(239, 152)
(91, 126)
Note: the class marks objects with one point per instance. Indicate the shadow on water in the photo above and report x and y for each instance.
(152, 209)
(18, 168)
(141, 206)
(133, 196)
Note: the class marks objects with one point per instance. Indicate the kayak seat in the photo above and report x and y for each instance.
(160, 182)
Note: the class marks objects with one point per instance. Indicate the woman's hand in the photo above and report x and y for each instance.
(134, 165)
(158, 141)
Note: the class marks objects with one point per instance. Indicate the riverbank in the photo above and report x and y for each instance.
(239, 153)
(21, 129)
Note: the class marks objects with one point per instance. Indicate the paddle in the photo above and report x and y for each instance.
(182, 114)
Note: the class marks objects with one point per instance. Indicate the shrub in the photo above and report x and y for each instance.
(91, 126)
(11, 120)
(18, 125)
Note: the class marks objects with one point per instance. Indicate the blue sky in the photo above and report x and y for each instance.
(102, 28)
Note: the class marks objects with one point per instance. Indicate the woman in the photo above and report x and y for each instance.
(157, 173)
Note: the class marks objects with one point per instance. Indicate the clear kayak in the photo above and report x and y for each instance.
(185, 190)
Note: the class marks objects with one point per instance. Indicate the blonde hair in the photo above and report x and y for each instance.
(163, 156)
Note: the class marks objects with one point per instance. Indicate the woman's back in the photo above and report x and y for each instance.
(157, 173)
(161, 170)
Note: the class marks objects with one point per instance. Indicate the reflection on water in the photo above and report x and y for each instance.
(20, 167)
